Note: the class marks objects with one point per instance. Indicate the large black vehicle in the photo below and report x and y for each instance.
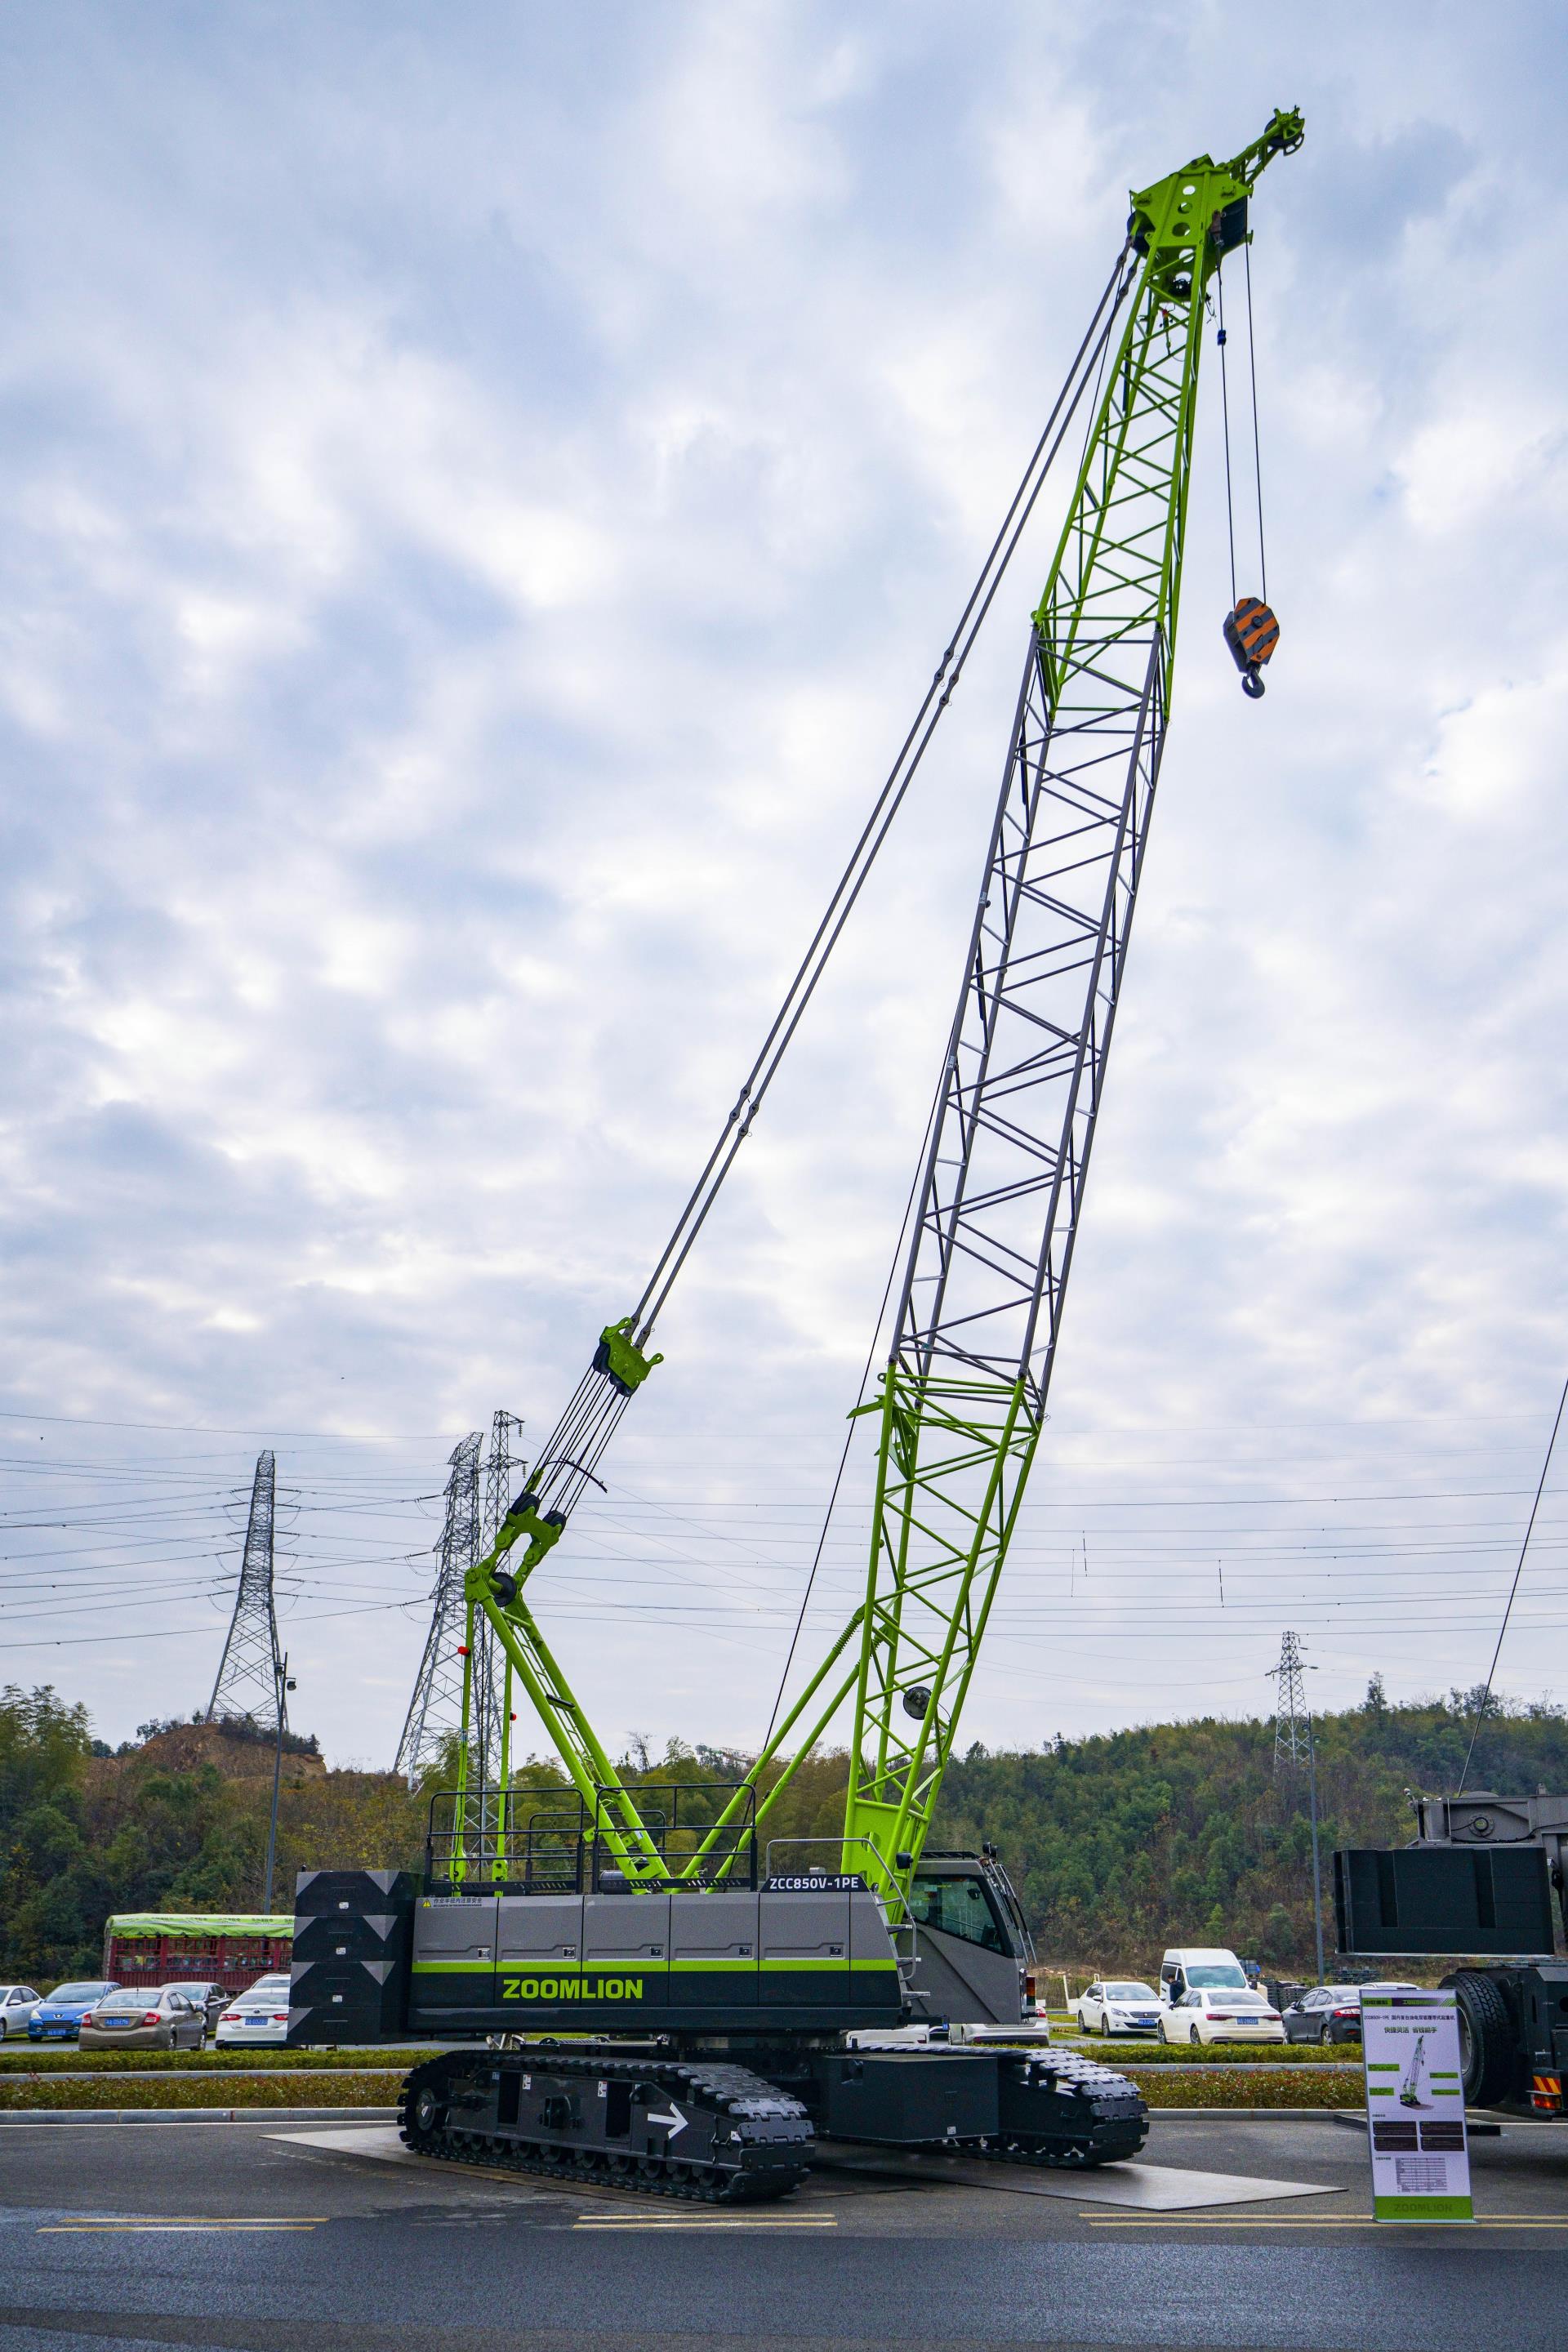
(1479, 1882)
(660, 1985)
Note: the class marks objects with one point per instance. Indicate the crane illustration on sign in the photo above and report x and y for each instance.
(1410, 2088)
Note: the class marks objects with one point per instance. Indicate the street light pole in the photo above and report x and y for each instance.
(283, 1686)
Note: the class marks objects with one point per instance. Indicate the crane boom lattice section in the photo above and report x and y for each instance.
(963, 1394)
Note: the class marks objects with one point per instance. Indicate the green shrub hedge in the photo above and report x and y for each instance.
(1240, 2086)
(323, 2088)
(71, 2060)
(1133, 2052)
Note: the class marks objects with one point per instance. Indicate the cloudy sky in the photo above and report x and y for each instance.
(484, 490)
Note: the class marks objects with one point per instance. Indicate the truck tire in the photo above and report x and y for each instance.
(1486, 2038)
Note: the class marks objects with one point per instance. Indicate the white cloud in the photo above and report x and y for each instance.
(481, 510)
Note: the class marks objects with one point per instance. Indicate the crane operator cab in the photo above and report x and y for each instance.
(974, 1961)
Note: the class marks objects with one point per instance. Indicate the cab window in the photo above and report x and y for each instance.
(959, 1907)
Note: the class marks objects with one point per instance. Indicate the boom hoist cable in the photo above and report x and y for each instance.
(999, 1193)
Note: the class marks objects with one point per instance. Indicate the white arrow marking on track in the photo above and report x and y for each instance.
(675, 2119)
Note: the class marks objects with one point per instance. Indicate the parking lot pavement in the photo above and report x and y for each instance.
(230, 2236)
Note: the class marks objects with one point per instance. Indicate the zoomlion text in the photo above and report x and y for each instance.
(571, 1989)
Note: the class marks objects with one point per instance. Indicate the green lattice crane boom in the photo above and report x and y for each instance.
(963, 1388)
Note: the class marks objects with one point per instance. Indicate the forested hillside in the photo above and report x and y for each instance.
(1119, 1845)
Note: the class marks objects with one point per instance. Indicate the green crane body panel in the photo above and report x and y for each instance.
(739, 1959)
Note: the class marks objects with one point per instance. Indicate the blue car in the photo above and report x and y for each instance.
(58, 2017)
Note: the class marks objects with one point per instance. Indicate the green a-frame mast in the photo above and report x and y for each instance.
(962, 1392)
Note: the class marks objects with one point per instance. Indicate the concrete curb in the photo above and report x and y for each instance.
(29, 2118)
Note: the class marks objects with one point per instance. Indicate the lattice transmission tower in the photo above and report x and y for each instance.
(490, 1707)
(1292, 1719)
(1293, 1749)
(436, 1710)
(477, 1493)
(251, 1672)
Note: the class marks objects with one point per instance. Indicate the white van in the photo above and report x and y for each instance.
(1199, 1968)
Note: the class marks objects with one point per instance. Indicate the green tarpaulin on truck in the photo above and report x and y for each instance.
(131, 1927)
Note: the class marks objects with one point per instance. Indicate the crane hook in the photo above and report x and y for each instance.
(1252, 633)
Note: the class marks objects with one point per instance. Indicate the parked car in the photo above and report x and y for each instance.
(145, 2017)
(1200, 1968)
(1117, 2005)
(207, 1995)
(260, 2015)
(1331, 2012)
(1222, 2015)
(17, 2003)
(60, 2014)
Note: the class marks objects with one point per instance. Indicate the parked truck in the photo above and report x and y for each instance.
(1482, 1882)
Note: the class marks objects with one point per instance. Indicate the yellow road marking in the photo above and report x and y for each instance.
(146, 2228)
(1312, 2222)
(728, 2221)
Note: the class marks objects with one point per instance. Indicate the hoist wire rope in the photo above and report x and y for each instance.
(1256, 444)
(1224, 415)
(1513, 1589)
(1089, 354)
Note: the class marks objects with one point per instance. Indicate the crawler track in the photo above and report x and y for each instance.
(750, 2143)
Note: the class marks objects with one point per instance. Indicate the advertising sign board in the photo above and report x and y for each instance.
(1415, 2107)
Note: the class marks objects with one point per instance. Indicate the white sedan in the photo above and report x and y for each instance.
(1223, 2016)
(260, 2015)
(1117, 2005)
(17, 2003)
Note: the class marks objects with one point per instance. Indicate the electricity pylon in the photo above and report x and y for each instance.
(251, 1672)
(490, 1744)
(1293, 1747)
(478, 1494)
(1292, 1721)
(436, 1710)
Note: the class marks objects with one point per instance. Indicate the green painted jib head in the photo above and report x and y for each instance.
(1185, 224)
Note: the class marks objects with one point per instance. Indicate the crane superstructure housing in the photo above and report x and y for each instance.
(672, 1924)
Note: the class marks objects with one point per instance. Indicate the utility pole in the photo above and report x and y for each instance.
(1293, 1747)
(248, 1673)
(285, 1684)
(436, 1710)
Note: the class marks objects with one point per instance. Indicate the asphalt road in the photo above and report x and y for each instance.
(225, 2236)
